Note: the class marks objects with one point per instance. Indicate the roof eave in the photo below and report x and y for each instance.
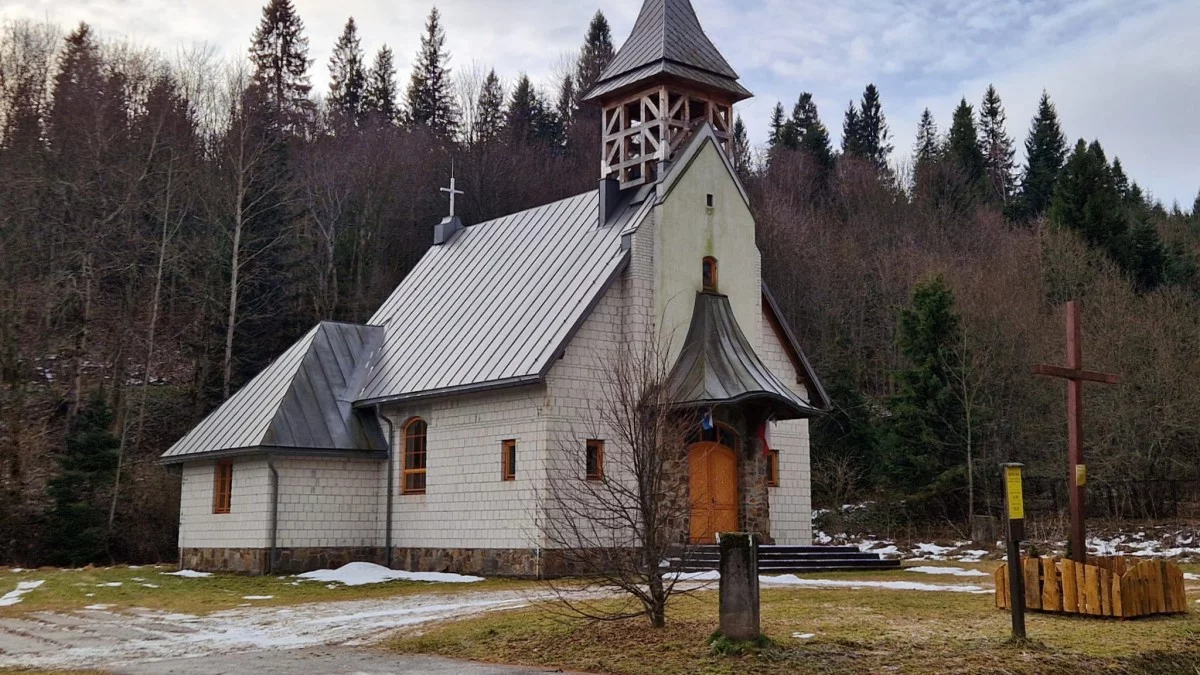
(226, 453)
(473, 388)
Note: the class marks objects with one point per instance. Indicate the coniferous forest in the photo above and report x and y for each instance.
(169, 225)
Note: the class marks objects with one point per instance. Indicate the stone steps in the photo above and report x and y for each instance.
(786, 559)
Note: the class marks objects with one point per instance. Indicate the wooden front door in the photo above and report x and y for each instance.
(714, 492)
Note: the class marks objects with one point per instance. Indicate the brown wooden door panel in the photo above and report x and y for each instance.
(714, 492)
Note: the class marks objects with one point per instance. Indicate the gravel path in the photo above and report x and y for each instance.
(125, 641)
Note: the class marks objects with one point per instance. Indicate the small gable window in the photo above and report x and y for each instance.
(223, 487)
(710, 274)
(595, 460)
(413, 473)
(508, 460)
(773, 468)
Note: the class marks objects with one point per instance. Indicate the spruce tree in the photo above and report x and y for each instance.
(852, 132)
(927, 154)
(924, 454)
(777, 125)
(963, 151)
(489, 122)
(566, 101)
(527, 117)
(430, 99)
(1045, 151)
(381, 88)
(347, 78)
(809, 132)
(1196, 208)
(595, 55)
(873, 134)
(998, 150)
(741, 148)
(279, 52)
(77, 523)
(78, 86)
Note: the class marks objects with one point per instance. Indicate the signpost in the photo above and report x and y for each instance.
(1014, 498)
(1075, 376)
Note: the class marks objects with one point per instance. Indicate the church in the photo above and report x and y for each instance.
(423, 439)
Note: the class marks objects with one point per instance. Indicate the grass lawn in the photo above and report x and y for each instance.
(856, 631)
(126, 587)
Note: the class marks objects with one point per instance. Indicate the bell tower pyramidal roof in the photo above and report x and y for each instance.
(668, 42)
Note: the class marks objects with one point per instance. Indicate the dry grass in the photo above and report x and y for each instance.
(73, 589)
(863, 631)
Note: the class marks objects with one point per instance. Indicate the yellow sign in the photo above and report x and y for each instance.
(1016, 496)
(1081, 474)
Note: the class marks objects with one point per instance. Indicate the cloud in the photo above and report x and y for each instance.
(1119, 71)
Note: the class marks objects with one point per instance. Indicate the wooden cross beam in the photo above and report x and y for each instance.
(1075, 376)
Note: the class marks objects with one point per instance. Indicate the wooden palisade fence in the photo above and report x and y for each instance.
(1110, 587)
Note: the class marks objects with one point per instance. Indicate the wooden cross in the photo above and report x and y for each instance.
(1075, 376)
(453, 190)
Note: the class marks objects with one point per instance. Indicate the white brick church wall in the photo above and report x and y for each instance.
(247, 523)
(466, 504)
(791, 502)
(330, 502)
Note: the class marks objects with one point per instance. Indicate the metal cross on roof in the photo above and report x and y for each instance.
(453, 190)
(1075, 376)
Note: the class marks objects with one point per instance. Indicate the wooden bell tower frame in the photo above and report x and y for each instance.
(642, 130)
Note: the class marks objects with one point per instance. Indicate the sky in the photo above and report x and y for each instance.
(1126, 72)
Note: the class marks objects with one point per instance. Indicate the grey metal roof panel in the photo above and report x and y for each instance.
(517, 286)
(302, 400)
(717, 365)
(633, 77)
(667, 30)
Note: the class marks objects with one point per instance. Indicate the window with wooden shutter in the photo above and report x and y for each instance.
(223, 487)
(413, 474)
(773, 468)
(508, 460)
(595, 460)
(710, 274)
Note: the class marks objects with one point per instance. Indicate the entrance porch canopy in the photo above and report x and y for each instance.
(718, 366)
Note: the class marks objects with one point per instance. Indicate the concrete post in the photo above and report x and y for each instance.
(739, 586)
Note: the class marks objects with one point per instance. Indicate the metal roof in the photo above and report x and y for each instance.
(301, 401)
(496, 304)
(717, 365)
(668, 33)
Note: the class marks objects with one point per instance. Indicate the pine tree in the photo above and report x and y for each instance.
(489, 117)
(430, 99)
(1045, 151)
(998, 150)
(279, 52)
(927, 154)
(595, 55)
(962, 149)
(77, 527)
(347, 78)
(924, 455)
(381, 88)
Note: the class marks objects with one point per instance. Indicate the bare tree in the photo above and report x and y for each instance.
(615, 522)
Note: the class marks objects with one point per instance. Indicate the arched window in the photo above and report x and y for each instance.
(710, 274)
(413, 474)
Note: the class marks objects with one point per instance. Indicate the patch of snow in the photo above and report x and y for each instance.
(933, 549)
(793, 580)
(947, 571)
(98, 607)
(17, 570)
(89, 595)
(361, 573)
(189, 574)
(258, 597)
(14, 596)
(111, 584)
(137, 579)
(821, 537)
(971, 555)
(804, 636)
(711, 575)
(1188, 576)
(150, 585)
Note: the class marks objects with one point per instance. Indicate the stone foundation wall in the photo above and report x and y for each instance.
(239, 560)
(485, 562)
(476, 561)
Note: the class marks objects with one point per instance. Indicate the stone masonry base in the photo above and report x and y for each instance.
(521, 563)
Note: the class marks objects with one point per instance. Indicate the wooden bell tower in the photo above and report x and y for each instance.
(667, 80)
